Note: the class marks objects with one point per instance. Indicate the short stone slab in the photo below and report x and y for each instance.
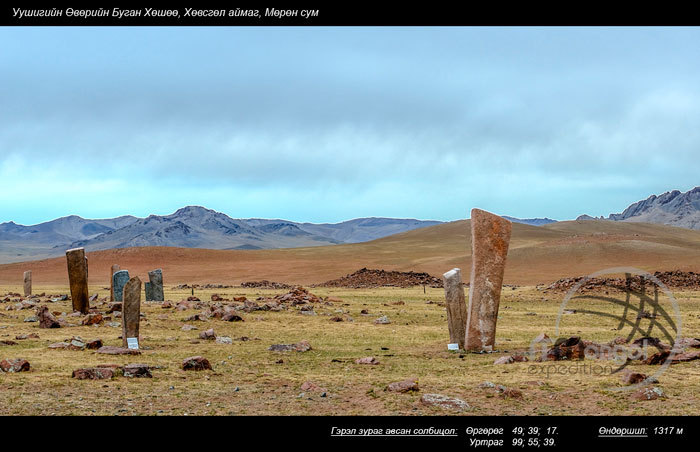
(444, 401)
(196, 363)
(403, 386)
(208, 334)
(97, 373)
(15, 365)
(111, 350)
(302, 346)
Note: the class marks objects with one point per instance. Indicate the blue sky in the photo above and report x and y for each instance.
(326, 124)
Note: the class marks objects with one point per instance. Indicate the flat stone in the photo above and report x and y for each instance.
(224, 340)
(110, 350)
(383, 320)
(444, 401)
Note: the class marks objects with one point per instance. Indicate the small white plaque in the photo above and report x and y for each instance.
(453, 346)
(132, 343)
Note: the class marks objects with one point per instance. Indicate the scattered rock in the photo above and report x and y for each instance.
(383, 320)
(648, 393)
(504, 360)
(232, 317)
(46, 319)
(137, 371)
(208, 334)
(309, 386)
(633, 378)
(302, 346)
(94, 344)
(93, 374)
(403, 386)
(508, 393)
(14, 365)
(196, 363)
(368, 360)
(187, 327)
(224, 340)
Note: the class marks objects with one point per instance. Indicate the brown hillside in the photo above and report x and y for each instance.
(537, 255)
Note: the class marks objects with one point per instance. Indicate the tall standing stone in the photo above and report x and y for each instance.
(490, 240)
(115, 268)
(456, 307)
(131, 311)
(119, 280)
(78, 278)
(155, 286)
(27, 283)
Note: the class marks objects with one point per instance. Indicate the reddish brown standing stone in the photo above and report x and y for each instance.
(27, 283)
(456, 306)
(115, 268)
(131, 310)
(78, 277)
(490, 240)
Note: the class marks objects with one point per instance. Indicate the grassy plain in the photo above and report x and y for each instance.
(249, 379)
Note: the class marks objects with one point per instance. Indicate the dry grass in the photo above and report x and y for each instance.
(248, 380)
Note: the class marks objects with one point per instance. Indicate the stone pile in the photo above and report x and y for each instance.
(368, 278)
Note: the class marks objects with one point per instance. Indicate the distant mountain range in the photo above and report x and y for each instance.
(672, 208)
(189, 227)
(530, 221)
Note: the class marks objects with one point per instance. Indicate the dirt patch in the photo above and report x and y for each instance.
(367, 278)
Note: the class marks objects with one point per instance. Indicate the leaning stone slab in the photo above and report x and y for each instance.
(78, 278)
(27, 283)
(456, 306)
(115, 268)
(490, 239)
(119, 280)
(131, 311)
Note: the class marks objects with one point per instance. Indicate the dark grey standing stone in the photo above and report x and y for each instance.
(119, 280)
(78, 279)
(156, 285)
(148, 287)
